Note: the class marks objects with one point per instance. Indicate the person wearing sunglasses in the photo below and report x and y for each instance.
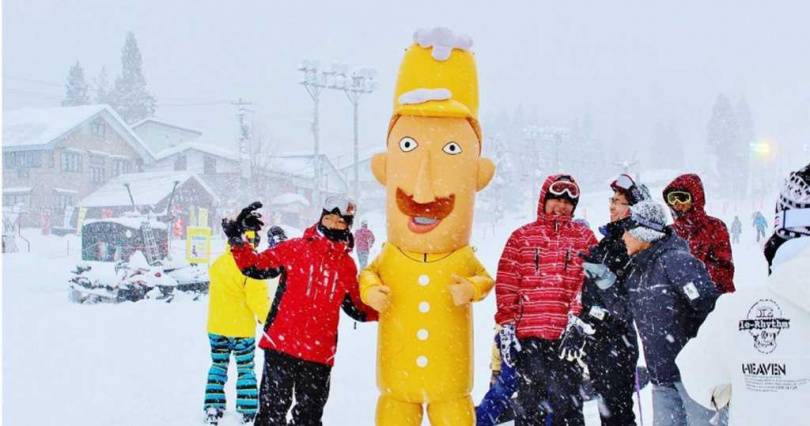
(538, 286)
(671, 294)
(707, 236)
(318, 278)
(611, 352)
(759, 337)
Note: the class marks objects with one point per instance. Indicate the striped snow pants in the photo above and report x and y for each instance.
(247, 394)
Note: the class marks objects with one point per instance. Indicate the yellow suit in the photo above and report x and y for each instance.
(424, 353)
(235, 301)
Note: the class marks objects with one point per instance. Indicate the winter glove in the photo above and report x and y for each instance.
(600, 274)
(574, 338)
(378, 297)
(509, 344)
(249, 219)
(462, 291)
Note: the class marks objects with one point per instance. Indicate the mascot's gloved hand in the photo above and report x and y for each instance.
(378, 297)
(463, 291)
(604, 277)
(509, 344)
(574, 337)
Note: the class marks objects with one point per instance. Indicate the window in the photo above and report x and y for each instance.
(98, 128)
(71, 162)
(97, 174)
(27, 159)
(12, 200)
(64, 200)
(121, 167)
(180, 163)
(96, 160)
(210, 165)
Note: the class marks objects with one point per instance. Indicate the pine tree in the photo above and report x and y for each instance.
(130, 98)
(102, 86)
(747, 137)
(76, 89)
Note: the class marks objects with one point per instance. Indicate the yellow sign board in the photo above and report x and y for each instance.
(198, 244)
(80, 220)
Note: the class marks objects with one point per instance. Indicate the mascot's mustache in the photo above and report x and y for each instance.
(438, 209)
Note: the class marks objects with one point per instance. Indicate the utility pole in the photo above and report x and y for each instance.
(354, 84)
(314, 81)
(245, 171)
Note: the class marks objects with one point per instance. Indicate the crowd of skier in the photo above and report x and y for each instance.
(568, 306)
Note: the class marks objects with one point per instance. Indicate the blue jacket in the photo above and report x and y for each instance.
(671, 293)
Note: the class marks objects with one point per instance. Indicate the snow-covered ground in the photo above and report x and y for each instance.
(145, 363)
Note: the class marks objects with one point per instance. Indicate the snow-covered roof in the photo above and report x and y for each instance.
(147, 189)
(207, 148)
(17, 190)
(289, 198)
(300, 165)
(38, 128)
(154, 120)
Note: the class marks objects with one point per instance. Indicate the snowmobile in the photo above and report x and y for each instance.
(127, 259)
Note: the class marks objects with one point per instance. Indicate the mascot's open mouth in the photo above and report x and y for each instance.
(423, 218)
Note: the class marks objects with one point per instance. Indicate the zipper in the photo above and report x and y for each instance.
(536, 260)
(567, 258)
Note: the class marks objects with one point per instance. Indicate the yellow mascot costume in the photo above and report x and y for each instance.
(427, 274)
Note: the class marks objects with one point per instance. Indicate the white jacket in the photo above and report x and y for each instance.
(758, 342)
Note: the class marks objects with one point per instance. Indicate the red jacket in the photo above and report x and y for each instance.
(707, 236)
(363, 240)
(318, 278)
(540, 273)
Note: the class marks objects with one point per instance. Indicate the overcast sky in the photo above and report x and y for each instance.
(628, 66)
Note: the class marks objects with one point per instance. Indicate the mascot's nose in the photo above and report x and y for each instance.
(423, 188)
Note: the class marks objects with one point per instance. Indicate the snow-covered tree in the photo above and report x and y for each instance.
(130, 98)
(747, 137)
(77, 91)
(102, 87)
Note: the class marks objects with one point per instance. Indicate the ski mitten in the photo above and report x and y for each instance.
(509, 344)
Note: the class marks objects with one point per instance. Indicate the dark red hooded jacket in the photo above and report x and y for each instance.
(540, 273)
(707, 236)
(318, 278)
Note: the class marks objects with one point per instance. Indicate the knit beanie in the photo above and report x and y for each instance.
(793, 206)
(648, 221)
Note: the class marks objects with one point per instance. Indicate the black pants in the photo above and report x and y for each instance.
(285, 375)
(612, 366)
(547, 385)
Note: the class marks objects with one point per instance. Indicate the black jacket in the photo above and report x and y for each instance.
(608, 310)
(671, 293)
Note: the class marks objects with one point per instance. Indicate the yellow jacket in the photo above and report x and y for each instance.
(235, 301)
(425, 341)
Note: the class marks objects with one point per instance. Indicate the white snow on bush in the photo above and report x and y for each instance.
(442, 40)
(420, 96)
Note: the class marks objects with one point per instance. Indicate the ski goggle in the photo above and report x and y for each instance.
(624, 182)
(793, 218)
(635, 221)
(340, 205)
(679, 197)
(564, 188)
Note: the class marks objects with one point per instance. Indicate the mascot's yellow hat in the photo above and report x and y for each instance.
(438, 78)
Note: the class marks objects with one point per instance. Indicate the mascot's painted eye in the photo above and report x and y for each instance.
(452, 148)
(407, 144)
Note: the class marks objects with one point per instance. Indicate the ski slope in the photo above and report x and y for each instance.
(145, 363)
